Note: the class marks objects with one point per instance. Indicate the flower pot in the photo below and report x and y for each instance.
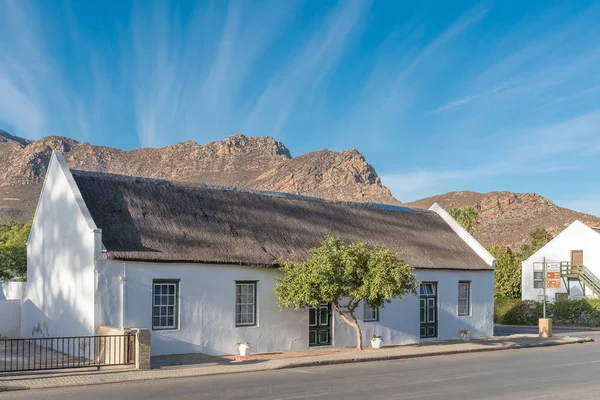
(376, 343)
(244, 349)
(466, 338)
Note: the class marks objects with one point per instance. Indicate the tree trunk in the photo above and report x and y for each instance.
(359, 344)
(352, 322)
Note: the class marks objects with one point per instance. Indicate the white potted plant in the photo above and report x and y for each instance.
(376, 341)
(243, 348)
(465, 335)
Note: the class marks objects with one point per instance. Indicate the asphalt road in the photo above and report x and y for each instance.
(559, 372)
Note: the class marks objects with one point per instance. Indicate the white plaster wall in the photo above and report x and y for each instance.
(10, 318)
(10, 290)
(207, 319)
(576, 236)
(207, 308)
(60, 262)
(399, 321)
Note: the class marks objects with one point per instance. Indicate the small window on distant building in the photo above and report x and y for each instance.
(464, 298)
(245, 303)
(370, 313)
(538, 279)
(561, 296)
(165, 304)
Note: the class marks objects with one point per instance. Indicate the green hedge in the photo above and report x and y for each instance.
(563, 312)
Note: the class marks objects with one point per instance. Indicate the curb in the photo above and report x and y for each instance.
(301, 364)
(433, 354)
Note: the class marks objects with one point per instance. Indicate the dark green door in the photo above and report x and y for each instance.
(428, 314)
(319, 321)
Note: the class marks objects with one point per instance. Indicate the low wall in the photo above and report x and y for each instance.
(10, 318)
(12, 290)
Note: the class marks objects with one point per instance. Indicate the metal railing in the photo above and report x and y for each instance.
(66, 352)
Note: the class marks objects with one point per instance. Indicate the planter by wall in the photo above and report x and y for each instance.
(244, 349)
(376, 343)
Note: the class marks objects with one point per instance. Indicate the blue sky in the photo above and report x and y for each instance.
(438, 96)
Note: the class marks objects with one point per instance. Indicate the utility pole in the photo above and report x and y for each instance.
(545, 283)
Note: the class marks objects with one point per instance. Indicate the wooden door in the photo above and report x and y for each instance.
(319, 320)
(576, 261)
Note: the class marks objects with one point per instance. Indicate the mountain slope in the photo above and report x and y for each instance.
(506, 217)
(257, 163)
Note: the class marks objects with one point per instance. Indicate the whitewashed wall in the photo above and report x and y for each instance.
(399, 321)
(60, 262)
(10, 290)
(10, 318)
(207, 308)
(207, 320)
(576, 236)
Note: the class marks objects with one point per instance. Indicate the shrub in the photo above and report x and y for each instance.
(563, 312)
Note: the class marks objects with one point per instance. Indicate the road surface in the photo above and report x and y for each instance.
(559, 372)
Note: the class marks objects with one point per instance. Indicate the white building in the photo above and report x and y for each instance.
(572, 262)
(196, 265)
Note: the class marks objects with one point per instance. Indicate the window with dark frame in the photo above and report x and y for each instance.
(370, 313)
(165, 304)
(538, 279)
(464, 298)
(245, 303)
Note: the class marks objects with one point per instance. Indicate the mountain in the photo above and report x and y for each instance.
(253, 162)
(507, 217)
(266, 164)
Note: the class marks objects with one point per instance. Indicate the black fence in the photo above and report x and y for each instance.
(66, 352)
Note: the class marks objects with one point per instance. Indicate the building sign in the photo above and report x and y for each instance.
(553, 284)
(552, 275)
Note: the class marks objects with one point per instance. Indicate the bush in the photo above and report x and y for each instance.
(563, 312)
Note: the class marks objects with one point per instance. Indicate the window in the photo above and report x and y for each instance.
(370, 313)
(538, 279)
(561, 296)
(245, 303)
(165, 304)
(464, 298)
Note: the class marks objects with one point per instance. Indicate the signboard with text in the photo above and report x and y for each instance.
(553, 284)
(552, 275)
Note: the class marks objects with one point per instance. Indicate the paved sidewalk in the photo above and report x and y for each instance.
(189, 366)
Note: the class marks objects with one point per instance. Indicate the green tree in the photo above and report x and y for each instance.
(507, 281)
(13, 250)
(537, 239)
(467, 217)
(344, 275)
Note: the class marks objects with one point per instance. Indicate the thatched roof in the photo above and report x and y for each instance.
(160, 221)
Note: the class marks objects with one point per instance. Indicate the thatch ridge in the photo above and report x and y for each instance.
(144, 219)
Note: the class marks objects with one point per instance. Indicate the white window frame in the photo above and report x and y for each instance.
(165, 304)
(463, 313)
(245, 299)
(370, 314)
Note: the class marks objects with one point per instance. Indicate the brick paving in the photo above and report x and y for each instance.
(202, 365)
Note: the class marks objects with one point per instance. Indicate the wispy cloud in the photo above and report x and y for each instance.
(547, 149)
(303, 77)
(187, 82)
(25, 70)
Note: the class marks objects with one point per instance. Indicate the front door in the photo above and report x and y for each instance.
(576, 261)
(428, 310)
(319, 320)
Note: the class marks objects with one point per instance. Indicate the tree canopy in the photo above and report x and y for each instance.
(537, 239)
(344, 275)
(13, 250)
(507, 282)
(466, 216)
